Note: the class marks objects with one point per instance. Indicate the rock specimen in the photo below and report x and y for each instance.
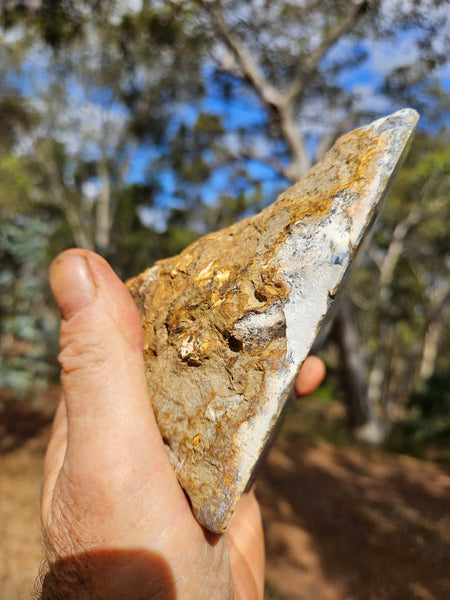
(229, 321)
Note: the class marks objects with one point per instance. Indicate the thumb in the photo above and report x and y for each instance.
(103, 376)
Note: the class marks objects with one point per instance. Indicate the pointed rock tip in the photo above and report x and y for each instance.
(405, 118)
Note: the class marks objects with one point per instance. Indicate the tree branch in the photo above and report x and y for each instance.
(393, 254)
(59, 198)
(266, 160)
(329, 138)
(439, 298)
(103, 220)
(305, 68)
(280, 103)
(249, 66)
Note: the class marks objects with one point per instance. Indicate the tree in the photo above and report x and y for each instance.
(410, 290)
(26, 322)
(83, 93)
(97, 99)
(225, 103)
(269, 49)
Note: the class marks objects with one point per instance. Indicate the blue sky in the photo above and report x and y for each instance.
(92, 112)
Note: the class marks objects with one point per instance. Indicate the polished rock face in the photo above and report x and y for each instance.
(229, 321)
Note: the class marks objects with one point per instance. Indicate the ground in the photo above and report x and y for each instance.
(341, 522)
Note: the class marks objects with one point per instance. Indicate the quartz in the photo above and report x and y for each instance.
(229, 321)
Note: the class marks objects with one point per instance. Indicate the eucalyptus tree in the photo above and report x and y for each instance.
(405, 290)
(84, 94)
(187, 114)
(315, 69)
(103, 80)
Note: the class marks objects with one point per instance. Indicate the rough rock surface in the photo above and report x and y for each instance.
(229, 321)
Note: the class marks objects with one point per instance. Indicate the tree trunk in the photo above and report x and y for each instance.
(103, 217)
(82, 239)
(439, 297)
(430, 350)
(363, 421)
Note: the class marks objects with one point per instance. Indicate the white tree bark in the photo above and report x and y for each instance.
(282, 104)
(439, 298)
(103, 214)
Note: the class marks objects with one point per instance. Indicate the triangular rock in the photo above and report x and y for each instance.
(229, 321)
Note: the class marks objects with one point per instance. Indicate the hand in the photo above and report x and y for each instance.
(116, 522)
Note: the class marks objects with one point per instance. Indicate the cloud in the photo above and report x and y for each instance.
(156, 218)
(367, 99)
(385, 56)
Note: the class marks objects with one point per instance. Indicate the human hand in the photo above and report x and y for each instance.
(116, 522)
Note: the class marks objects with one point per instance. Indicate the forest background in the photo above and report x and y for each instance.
(131, 128)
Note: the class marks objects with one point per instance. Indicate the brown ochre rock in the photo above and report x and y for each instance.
(229, 321)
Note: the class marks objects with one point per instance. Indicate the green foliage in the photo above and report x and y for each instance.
(162, 80)
(15, 185)
(418, 213)
(136, 246)
(425, 431)
(25, 323)
(434, 400)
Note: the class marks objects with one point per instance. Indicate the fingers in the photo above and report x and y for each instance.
(311, 375)
(245, 541)
(103, 376)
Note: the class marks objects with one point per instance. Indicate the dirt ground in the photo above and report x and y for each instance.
(342, 523)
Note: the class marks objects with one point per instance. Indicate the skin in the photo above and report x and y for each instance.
(116, 522)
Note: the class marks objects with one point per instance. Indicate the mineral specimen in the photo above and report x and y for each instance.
(229, 321)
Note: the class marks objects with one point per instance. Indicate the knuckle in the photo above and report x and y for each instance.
(81, 351)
